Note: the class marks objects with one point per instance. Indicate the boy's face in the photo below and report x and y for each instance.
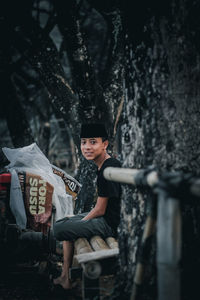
(93, 148)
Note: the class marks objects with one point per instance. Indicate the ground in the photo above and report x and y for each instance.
(29, 283)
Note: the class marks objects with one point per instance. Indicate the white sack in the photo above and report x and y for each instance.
(31, 159)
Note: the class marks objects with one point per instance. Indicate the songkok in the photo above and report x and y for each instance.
(93, 130)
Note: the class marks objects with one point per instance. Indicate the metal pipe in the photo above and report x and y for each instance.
(126, 175)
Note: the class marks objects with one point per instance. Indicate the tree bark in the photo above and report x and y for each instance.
(94, 105)
(161, 121)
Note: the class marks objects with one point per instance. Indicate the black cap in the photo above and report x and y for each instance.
(93, 130)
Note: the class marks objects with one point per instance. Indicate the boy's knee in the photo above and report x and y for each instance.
(64, 230)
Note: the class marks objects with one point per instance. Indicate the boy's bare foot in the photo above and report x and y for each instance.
(63, 281)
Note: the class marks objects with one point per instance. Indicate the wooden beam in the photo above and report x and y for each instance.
(82, 246)
(95, 255)
(112, 242)
(98, 243)
(126, 175)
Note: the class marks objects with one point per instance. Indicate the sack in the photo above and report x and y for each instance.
(37, 196)
(72, 186)
(30, 162)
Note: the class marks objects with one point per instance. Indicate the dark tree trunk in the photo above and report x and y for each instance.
(85, 82)
(94, 105)
(161, 121)
(86, 86)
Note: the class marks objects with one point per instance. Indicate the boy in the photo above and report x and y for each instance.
(104, 218)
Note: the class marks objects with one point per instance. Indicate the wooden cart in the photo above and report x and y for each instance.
(92, 259)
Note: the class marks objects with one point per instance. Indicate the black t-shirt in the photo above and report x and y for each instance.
(112, 190)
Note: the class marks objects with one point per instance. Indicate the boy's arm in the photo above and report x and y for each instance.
(98, 210)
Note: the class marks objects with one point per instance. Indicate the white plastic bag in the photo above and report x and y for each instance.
(16, 200)
(31, 159)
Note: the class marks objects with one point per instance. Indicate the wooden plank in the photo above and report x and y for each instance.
(112, 242)
(82, 246)
(98, 243)
(169, 246)
(95, 255)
